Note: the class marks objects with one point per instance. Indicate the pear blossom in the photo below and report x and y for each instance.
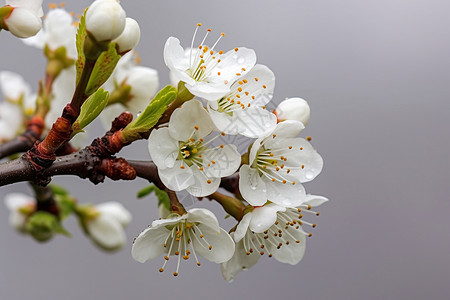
(105, 20)
(278, 164)
(59, 31)
(142, 82)
(107, 228)
(273, 230)
(129, 38)
(207, 73)
(242, 110)
(25, 18)
(62, 91)
(293, 109)
(16, 202)
(197, 232)
(184, 159)
(20, 103)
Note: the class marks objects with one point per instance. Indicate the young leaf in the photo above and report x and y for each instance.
(103, 69)
(90, 110)
(150, 116)
(162, 196)
(81, 36)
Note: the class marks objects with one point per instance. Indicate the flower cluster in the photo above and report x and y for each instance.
(232, 92)
(92, 70)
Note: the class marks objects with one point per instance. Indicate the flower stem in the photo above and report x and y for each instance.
(231, 205)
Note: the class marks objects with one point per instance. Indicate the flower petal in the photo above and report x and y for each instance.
(115, 210)
(293, 253)
(242, 227)
(163, 148)
(221, 162)
(149, 244)
(13, 86)
(235, 62)
(222, 245)
(286, 195)
(255, 122)
(264, 217)
(314, 200)
(106, 231)
(252, 188)
(176, 60)
(204, 216)
(186, 119)
(239, 262)
(176, 178)
(203, 185)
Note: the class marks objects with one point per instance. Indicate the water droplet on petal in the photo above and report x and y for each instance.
(309, 175)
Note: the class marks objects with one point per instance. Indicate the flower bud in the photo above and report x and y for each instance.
(293, 109)
(129, 37)
(20, 207)
(107, 228)
(105, 20)
(23, 23)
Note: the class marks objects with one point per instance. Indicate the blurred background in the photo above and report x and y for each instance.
(376, 76)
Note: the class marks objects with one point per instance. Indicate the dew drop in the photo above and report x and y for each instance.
(309, 175)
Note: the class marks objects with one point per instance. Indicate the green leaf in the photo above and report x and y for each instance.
(90, 110)
(81, 37)
(162, 196)
(145, 191)
(150, 116)
(103, 68)
(58, 190)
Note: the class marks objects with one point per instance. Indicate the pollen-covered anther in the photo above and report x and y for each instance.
(161, 270)
(175, 274)
(196, 127)
(210, 247)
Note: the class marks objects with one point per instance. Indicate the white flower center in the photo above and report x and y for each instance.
(274, 164)
(203, 61)
(179, 241)
(241, 96)
(280, 233)
(191, 152)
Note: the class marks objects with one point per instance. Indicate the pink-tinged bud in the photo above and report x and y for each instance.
(129, 37)
(23, 23)
(293, 109)
(105, 20)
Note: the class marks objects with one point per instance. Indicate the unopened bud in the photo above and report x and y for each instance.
(293, 109)
(129, 37)
(23, 23)
(105, 20)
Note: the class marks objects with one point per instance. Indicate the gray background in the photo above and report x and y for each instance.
(376, 75)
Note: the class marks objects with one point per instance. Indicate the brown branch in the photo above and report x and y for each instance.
(26, 140)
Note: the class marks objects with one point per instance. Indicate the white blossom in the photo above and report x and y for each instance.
(129, 38)
(107, 228)
(242, 110)
(25, 18)
(144, 83)
(278, 164)
(59, 31)
(105, 20)
(183, 157)
(293, 109)
(197, 232)
(15, 202)
(20, 103)
(273, 230)
(208, 73)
